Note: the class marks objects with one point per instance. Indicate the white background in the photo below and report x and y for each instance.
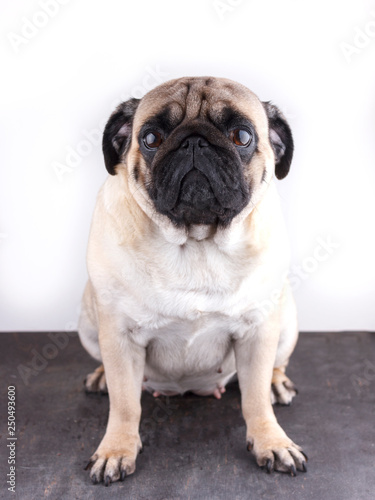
(61, 83)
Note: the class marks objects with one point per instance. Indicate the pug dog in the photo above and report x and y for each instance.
(187, 263)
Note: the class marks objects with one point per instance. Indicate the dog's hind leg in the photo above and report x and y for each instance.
(87, 325)
(95, 381)
(282, 389)
(88, 334)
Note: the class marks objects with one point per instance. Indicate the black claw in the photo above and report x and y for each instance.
(249, 446)
(89, 465)
(269, 466)
(123, 475)
(304, 468)
(107, 481)
(306, 457)
(94, 479)
(290, 387)
(293, 471)
(141, 450)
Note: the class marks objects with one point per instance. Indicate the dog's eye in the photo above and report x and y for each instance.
(241, 137)
(153, 140)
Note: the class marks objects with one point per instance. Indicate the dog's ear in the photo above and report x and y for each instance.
(281, 139)
(117, 133)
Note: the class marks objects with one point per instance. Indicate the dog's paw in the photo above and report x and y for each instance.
(273, 450)
(95, 382)
(282, 389)
(113, 463)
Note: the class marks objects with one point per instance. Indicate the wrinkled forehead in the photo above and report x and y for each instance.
(187, 99)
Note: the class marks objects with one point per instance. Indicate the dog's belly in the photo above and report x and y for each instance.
(192, 356)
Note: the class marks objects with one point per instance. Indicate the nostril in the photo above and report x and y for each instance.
(202, 143)
(185, 144)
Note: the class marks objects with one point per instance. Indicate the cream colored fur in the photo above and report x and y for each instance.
(176, 310)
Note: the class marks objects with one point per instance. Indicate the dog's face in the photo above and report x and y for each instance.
(199, 149)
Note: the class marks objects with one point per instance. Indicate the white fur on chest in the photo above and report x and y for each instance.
(174, 283)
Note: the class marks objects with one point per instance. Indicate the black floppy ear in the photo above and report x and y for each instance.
(281, 139)
(117, 133)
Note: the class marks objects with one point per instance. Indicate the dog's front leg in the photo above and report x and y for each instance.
(124, 366)
(255, 356)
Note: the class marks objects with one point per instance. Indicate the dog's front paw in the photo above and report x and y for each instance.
(96, 382)
(114, 461)
(273, 450)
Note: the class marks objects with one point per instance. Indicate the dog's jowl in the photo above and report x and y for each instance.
(187, 241)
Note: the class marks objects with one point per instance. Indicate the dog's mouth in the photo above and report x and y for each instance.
(196, 202)
(206, 187)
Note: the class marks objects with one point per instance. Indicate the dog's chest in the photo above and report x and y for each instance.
(171, 283)
(190, 297)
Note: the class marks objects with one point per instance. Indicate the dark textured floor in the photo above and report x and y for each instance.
(194, 447)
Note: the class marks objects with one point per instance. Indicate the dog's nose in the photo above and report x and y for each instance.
(194, 141)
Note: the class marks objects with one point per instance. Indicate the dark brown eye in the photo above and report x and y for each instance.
(153, 140)
(241, 137)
